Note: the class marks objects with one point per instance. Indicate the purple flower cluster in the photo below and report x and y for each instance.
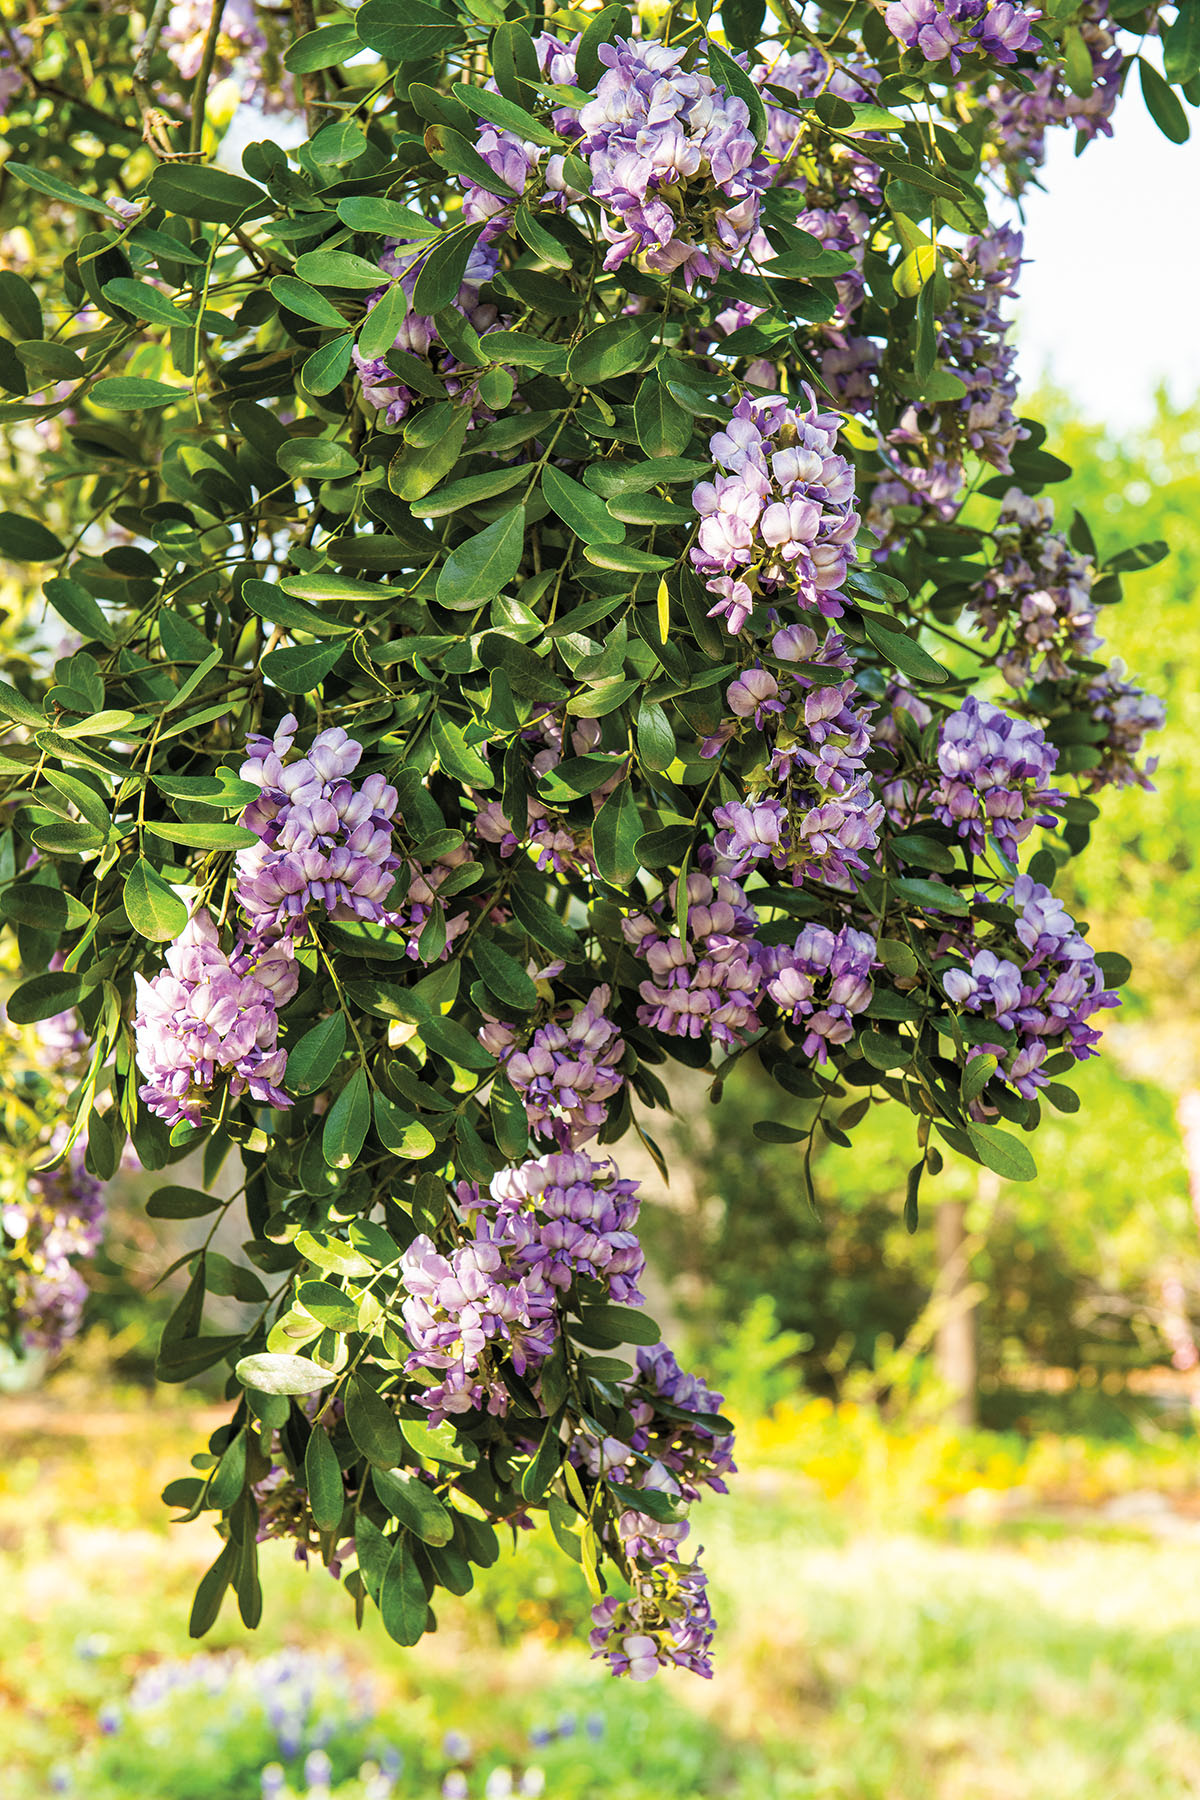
(1019, 119)
(696, 1455)
(1046, 996)
(242, 51)
(932, 490)
(666, 1622)
(1037, 592)
(824, 981)
(1128, 713)
(709, 982)
(516, 160)
(544, 1225)
(995, 776)
(56, 1224)
(207, 1017)
(958, 28)
(567, 1072)
(549, 836)
(322, 841)
(815, 811)
(418, 335)
(973, 343)
(673, 160)
(780, 521)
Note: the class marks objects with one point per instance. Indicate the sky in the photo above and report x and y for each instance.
(1109, 298)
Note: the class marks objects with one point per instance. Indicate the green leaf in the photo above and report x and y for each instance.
(76, 606)
(270, 602)
(914, 270)
(133, 393)
(314, 1057)
(336, 269)
(482, 566)
(299, 298)
(323, 1479)
(582, 511)
(903, 653)
(447, 1038)
(302, 668)
(655, 739)
(328, 1304)
(181, 1203)
(44, 908)
(415, 1505)
(402, 1603)
(1163, 105)
(316, 458)
(626, 559)
(211, 1591)
(611, 23)
(443, 269)
(933, 894)
(663, 427)
(382, 324)
(612, 350)
(504, 975)
(347, 1123)
(546, 1463)
(373, 1551)
(615, 833)
(439, 1443)
(1181, 44)
(369, 212)
(400, 1132)
(327, 367)
(151, 905)
(208, 194)
(455, 755)
(326, 48)
(28, 540)
(406, 31)
(734, 79)
(43, 996)
(14, 705)
(19, 304)
(544, 925)
(281, 1374)
(623, 1324)
(471, 489)
(506, 114)
(548, 249)
(217, 836)
(372, 1424)
(1002, 1153)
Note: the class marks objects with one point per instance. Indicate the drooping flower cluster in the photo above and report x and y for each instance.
(973, 343)
(779, 523)
(673, 161)
(697, 1455)
(1044, 992)
(243, 50)
(209, 1017)
(53, 1227)
(543, 1225)
(813, 810)
(1018, 118)
(666, 1622)
(707, 983)
(952, 29)
(386, 390)
(1037, 593)
(322, 841)
(567, 1072)
(1129, 713)
(822, 981)
(995, 777)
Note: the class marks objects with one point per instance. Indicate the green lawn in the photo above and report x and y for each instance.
(855, 1662)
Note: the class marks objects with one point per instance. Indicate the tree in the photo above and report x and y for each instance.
(518, 551)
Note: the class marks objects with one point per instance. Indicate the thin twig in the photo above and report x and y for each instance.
(312, 81)
(203, 77)
(155, 123)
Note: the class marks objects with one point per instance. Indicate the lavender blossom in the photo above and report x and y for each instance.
(823, 981)
(673, 160)
(697, 1455)
(995, 773)
(208, 1018)
(418, 336)
(667, 1621)
(952, 29)
(322, 841)
(567, 1072)
(1019, 119)
(1036, 594)
(780, 522)
(708, 983)
(56, 1224)
(1044, 992)
(1128, 712)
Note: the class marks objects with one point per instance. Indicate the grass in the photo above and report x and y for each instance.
(868, 1651)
